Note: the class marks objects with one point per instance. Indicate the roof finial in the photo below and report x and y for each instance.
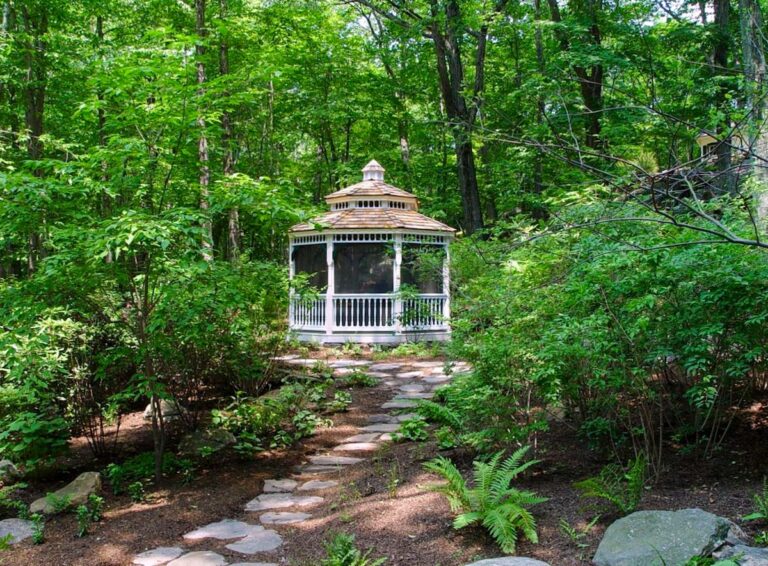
(373, 171)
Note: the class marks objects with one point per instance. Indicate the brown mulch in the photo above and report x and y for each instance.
(383, 501)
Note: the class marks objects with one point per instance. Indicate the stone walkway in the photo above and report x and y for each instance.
(290, 500)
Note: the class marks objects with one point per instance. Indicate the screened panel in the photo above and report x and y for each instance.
(364, 268)
(311, 260)
(422, 267)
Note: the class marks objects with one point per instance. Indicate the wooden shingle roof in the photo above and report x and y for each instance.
(369, 188)
(373, 219)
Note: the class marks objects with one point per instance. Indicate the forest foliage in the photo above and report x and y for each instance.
(153, 155)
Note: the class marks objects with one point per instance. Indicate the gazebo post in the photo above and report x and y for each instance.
(447, 283)
(291, 274)
(329, 317)
(398, 307)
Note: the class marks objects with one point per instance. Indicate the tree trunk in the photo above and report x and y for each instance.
(202, 148)
(724, 151)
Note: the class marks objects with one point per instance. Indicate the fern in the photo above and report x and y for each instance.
(491, 500)
(440, 414)
(621, 488)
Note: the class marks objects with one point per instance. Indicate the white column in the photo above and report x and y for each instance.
(398, 307)
(291, 274)
(447, 285)
(329, 315)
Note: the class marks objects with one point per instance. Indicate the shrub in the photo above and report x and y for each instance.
(491, 501)
(622, 488)
(414, 430)
(10, 506)
(341, 551)
(760, 500)
(358, 379)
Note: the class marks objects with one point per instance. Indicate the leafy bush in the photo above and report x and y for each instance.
(341, 551)
(622, 488)
(358, 379)
(491, 501)
(414, 430)
(141, 468)
(10, 506)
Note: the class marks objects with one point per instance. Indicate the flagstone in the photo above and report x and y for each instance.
(317, 484)
(399, 404)
(200, 558)
(382, 427)
(386, 367)
(223, 530)
(336, 460)
(284, 517)
(279, 486)
(157, 556)
(357, 447)
(267, 501)
(264, 541)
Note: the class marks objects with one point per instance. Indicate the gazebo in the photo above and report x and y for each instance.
(375, 270)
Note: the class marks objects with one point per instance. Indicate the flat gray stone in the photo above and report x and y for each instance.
(385, 367)
(509, 561)
(264, 541)
(224, 530)
(341, 372)
(267, 501)
(157, 556)
(19, 529)
(399, 404)
(413, 388)
(315, 469)
(284, 518)
(378, 374)
(428, 364)
(410, 374)
(349, 363)
(279, 486)
(285, 358)
(335, 460)
(747, 555)
(415, 395)
(382, 427)
(357, 447)
(382, 418)
(255, 564)
(437, 379)
(654, 538)
(386, 437)
(407, 417)
(202, 558)
(317, 484)
(302, 362)
(365, 437)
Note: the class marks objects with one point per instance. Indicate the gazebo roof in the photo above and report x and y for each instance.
(368, 217)
(373, 218)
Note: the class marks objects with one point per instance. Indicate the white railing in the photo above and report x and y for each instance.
(370, 312)
(308, 313)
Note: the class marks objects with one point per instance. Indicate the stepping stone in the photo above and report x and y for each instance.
(380, 418)
(303, 362)
(400, 404)
(365, 437)
(385, 367)
(315, 469)
(19, 529)
(357, 447)
(349, 363)
(391, 383)
(279, 486)
(285, 358)
(283, 518)
(378, 374)
(255, 564)
(407, 417)
(432, 364)
(415, 395)
(341, 372)
(204, 558)
(382, 427)
(336, 460)
(267, 501)
(318, 484)
(157, 556)
(413, 388)
(437, 379)
(386, 437)
(410, 374)
(264, 541)
(223, 530)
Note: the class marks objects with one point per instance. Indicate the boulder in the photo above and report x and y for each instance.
(170, 409)
(75, 493)
(18, 529)
(204, 442)
(747, 555)
(8, 471)
(509, 561)
(656, 538)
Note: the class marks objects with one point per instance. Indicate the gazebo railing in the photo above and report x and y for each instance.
(370, 312)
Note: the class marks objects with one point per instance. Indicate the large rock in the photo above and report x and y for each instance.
(75, 493)
(747, 555)
(8, 471)
(509, 561)
(663, 538)
(205, 442)
(18, 529)
(168, 408)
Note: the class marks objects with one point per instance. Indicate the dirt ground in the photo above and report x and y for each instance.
(383, 501)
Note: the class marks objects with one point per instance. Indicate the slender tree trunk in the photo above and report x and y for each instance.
(202, 148)
(723, 150)
(35, 83)
(227, 140)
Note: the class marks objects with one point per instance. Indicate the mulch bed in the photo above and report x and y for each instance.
(383, 501)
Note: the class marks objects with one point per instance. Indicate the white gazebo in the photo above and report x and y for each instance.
(377, 269)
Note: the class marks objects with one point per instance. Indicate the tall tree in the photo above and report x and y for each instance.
(202, 151)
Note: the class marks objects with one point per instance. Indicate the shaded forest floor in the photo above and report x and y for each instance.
(383, 501)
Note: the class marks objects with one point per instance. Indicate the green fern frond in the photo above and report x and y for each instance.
(440, 414)
(466, 519)
(455, 490)
(503, 531)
